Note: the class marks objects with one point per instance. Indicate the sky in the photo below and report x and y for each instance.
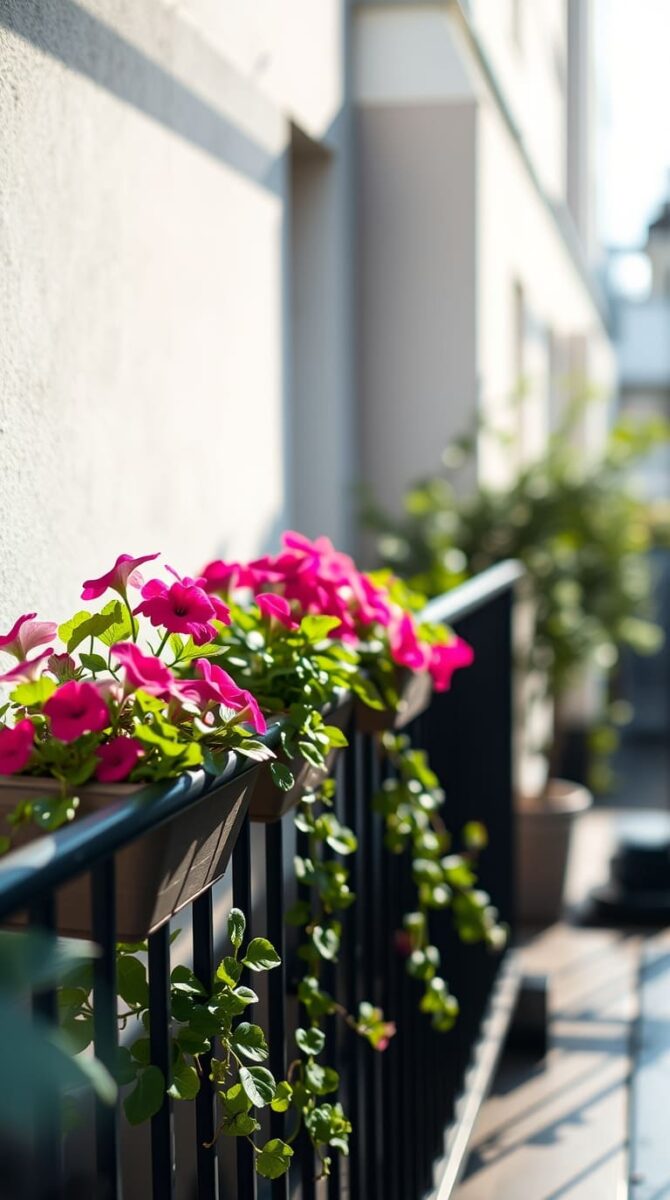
(632, 39)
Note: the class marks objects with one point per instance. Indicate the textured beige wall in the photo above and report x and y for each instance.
(141, 252)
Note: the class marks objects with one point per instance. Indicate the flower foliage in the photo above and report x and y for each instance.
(128, 696)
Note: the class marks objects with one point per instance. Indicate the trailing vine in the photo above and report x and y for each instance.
(325, 884)
(205, 1014)
(410, 801)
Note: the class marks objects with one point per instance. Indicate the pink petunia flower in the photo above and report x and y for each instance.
(144, 671)
(184, 607)
(216, 686)
(16, 746)
(75, 709)
(28, 670)
(117, 759)
(123, 573)
(406, 649)
(224, 577)
(276, 608)
(447, 657)
(27, 633)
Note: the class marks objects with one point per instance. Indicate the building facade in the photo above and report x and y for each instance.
(252, 255)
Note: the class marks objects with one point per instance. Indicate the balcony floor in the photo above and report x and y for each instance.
(558, 1129)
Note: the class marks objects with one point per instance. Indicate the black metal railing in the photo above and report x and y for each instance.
(401, 1102)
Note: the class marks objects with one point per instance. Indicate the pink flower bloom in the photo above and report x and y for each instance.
(184, 607)
(144, 671)
(117, 759)
(28, 670)
(75, 709)
(220, 576)
(27, 633)
(16, 746)
(406, 649)
(219, 687)
(447, 657)
(123, 573)
(276, 608)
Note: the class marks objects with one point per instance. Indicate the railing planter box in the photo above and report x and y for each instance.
(268, 803)
(162, 871)
(415, 689)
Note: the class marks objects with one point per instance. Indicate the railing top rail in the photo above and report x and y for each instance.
(474, 593)
(55, 858)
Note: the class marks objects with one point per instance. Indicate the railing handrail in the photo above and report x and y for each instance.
(55, 858)
(462, 600)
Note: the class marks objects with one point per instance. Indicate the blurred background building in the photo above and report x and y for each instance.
(252, 255)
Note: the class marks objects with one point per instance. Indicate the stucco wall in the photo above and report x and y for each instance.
(141, 243)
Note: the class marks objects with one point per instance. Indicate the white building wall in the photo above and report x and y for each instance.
(146, 340)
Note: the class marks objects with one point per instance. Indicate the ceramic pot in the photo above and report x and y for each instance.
(543, 835)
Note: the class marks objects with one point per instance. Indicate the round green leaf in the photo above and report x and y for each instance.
(274, 1159)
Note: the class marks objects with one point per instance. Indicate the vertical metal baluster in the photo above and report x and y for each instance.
(246, 1170)
(205, 1101)
(304, 1149)
(274, 876)
(42, 915)
(376, 1159)
(105, 1024)
(354, 951)
(162, 1130)
(393, 965)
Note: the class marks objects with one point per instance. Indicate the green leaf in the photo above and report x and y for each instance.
(183, 980)
(335, 735)
(282, 1097)
(261, 955)
(37, 692)
(94, 626)
(146, 1098)
(259, 1085)
(327, 941)
(249, 1041)
(229, 970)
(185, 1081)
(242, 1124)
(235, 1099)
(310, 1041)
(132, 983)
(282, 776)
(121, 629)
(274, 1159)
(321, 1080)
(93, 662)
(312, 755)
(237, 924)
(316, 628)
(246, 995)
(66, 630)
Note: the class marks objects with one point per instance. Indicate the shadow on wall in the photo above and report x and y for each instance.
(93, 49)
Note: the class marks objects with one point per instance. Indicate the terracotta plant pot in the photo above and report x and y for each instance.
(268, 802)
(415, 689)
(544, 832)
(163, 870)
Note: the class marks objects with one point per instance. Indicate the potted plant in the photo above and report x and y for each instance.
(581, 535)
(105, 707)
